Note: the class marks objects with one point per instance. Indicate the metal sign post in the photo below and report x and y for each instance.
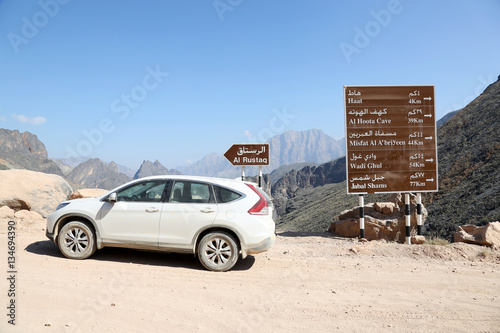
(361, 216)
(407, 218)
(419, 214)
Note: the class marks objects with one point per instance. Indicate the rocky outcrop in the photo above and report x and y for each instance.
(94, 173)
(481, 235)
(309, 176)
(24, 151)
(149, 168)
(383, 220)
(87, 193)
(30, 190)
(469, 167)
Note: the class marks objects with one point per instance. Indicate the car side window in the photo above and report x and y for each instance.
(191, 192)
(224, 195)
(148, 191)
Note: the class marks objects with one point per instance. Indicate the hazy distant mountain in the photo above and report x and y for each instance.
(303, 146)
(66, 169)
(73, 161)
(126, 170)
(24, 151)
(212, 165)
(445, 118)
(312, 146)
(149, 168)
(94, 173)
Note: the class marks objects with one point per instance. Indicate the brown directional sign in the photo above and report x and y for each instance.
(248, 154)
(390, 139)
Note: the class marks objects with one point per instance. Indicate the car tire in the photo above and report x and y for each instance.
(76, 240)
(218, 251)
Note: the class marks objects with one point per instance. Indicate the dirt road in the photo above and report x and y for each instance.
(312, 283)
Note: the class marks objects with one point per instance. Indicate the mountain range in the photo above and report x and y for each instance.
(24, 150)
(312, 146)
(306, 177)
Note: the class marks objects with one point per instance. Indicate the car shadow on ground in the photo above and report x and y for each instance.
(138, 257)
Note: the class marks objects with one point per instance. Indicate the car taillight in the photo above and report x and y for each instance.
(261, 207)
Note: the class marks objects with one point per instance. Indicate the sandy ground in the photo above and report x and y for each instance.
(307, 282)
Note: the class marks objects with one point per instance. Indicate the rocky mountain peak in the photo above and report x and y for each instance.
(94, 173)
(149, 168)
(24, 151)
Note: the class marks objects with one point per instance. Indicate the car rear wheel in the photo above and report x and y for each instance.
(218, 251)
(76, 240)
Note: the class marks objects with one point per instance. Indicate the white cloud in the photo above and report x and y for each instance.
(29, 120)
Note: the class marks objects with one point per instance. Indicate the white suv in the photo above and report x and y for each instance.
(214, 218)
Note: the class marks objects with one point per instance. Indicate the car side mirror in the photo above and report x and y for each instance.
(112, 198)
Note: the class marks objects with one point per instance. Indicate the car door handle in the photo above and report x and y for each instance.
(207, 210)
(152, 210)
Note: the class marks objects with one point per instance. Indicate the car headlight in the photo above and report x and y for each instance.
(62, 205)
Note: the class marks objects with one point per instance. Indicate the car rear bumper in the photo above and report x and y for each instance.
(265, 245)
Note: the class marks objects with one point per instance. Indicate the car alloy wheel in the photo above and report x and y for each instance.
(76, 240)
(218, 251)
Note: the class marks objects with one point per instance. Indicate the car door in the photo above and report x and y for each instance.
(190, 207)
(134, 219)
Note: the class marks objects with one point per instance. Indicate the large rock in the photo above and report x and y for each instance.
(6, 213)
(28, 215)
(31, 190)
(485, 235)
(383, 220)
(87, 193)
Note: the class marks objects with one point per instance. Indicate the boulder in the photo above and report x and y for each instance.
(417, 239)
(481, 235)
(28, 215)
(383, 220)
(384, 207)
(6, 213)
(31, 190)
(87, 193)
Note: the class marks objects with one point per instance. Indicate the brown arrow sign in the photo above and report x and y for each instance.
(391, 141)
(248, 154)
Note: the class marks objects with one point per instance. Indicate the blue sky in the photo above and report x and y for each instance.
(175, 80)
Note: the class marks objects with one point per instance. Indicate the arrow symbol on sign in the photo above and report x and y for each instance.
(428, 115)
(428, 98)
(430, 180)
(430, 160)
(428, 137)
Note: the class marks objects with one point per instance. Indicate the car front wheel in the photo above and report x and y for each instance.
(76, 240)
(218, 251)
